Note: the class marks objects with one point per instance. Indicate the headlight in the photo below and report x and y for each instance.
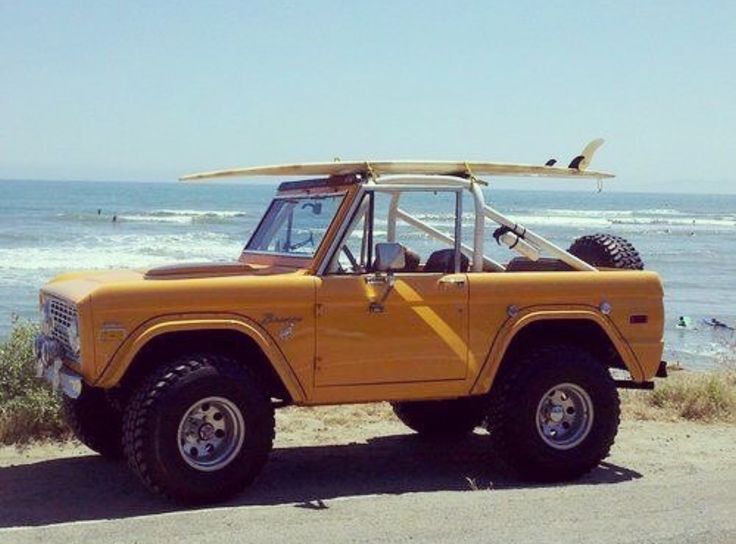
(73, 336)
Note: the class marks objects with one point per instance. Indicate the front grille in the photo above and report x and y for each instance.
(62, 315)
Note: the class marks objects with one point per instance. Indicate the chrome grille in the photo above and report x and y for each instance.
(62, 315)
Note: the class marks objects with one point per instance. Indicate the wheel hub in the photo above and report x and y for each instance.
(556, 413)
(564, 416)
(211, 433)
(206, 432)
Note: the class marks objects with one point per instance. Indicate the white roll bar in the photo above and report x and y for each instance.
(442, 237)
(538, 241)
(397, 182)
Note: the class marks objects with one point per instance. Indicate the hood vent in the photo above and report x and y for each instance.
(198, 270)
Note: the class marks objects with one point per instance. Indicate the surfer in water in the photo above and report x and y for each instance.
(717, 324)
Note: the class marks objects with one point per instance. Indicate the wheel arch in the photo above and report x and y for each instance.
(236, 337)
(585, 327)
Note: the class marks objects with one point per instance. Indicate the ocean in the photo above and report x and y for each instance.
(48, 227)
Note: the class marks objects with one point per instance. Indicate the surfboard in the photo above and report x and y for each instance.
(384, 167)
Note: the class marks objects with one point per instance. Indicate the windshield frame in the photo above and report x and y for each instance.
(341, 195)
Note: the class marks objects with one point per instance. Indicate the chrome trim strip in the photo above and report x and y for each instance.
(300, 256)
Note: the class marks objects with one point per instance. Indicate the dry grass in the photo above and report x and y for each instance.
(696, 396)
(297, 425)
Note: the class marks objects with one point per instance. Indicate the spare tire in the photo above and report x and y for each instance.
(607, 251)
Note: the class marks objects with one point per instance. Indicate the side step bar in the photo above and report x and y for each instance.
(631, 384)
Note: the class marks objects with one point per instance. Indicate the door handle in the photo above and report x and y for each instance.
(452, 280)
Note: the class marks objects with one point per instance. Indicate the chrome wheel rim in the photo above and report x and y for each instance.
(211, 433)
(564, 416)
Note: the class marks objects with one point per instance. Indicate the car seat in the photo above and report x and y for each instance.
(411, 260)
(443, 260)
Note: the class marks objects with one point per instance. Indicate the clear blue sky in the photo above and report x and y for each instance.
(151, 90)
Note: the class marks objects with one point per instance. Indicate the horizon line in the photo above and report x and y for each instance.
(266, 181)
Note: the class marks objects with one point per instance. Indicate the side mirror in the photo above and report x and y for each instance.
(390, 257)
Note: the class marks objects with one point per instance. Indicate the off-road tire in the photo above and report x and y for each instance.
(151, 428)
(514, 400)
(95, 422)
(442, 419)
(607, 251)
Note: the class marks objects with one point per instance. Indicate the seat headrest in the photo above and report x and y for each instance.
(443, 260)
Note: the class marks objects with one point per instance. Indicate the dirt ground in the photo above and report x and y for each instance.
(356, 474)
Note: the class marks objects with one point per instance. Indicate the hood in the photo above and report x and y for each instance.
(77, 286)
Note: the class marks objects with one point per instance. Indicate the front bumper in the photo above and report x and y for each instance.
(50, 366)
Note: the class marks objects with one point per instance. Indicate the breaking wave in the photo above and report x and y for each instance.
(182, 217)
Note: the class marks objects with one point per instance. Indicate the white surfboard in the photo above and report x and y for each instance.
(381, 167)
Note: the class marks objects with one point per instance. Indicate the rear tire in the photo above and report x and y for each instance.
(554, 413)
(442, 419)
(607, 251)
(199, 430)
(95, 422)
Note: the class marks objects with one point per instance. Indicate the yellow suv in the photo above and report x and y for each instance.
(346, 294)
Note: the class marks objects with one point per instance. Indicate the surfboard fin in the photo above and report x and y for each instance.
(582, 161)
(551, 162)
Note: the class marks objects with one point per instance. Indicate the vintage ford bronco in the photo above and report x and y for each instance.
(343, 295)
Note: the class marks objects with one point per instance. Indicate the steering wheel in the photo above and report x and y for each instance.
(308, 240)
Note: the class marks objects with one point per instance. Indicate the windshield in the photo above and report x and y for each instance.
(295, 225)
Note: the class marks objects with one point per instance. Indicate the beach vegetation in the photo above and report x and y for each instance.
(29, 410)
(696, 396)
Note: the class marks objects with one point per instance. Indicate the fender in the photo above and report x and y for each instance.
(529, 315)
(126, 353)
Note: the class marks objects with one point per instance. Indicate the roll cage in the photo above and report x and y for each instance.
(398, 184)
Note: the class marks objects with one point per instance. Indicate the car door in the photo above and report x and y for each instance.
(369, 332)
(411, 326)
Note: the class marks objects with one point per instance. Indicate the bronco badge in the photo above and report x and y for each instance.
(290, 322)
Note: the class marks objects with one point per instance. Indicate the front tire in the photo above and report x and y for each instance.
(199, 430)
(95, 422)
(554, 413)
(442, 419)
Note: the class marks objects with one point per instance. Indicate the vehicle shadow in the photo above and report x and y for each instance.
(92, 488)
